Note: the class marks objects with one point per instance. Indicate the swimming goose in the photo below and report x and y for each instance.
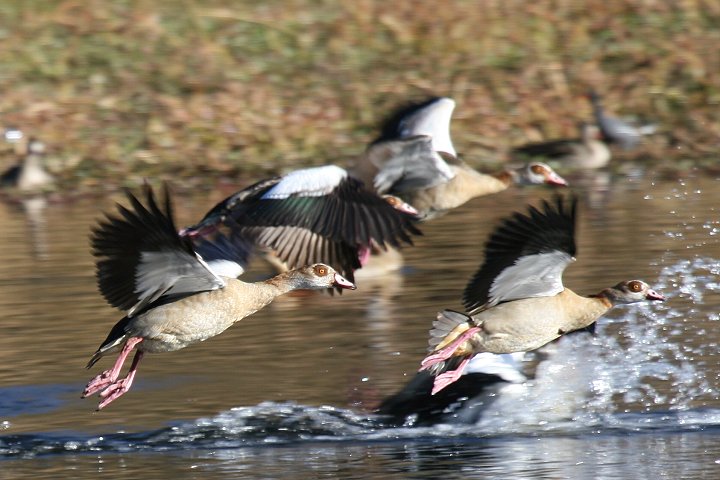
(415, 160)
(319, 214)
(516, 301)
(482, 380)
(588, 152)
(29, 175)
(613, 129)
(172, 295)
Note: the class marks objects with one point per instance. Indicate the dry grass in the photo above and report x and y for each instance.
(191, 89)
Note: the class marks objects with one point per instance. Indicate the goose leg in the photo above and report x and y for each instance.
(364, 255)
(108, 377)
(447, 351)
(451, 376)
(118, 388)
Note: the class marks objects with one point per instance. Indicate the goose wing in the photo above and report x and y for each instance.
(312, 215)
(432, 119)
(525, 256)
(141, 257)
(411, 165)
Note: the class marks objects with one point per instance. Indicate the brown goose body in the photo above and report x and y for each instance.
(587, 152)
(528, 324)
(196, 318)
(463, 187)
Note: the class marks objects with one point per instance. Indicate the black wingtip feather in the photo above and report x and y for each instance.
(118, 242)
(540, 230)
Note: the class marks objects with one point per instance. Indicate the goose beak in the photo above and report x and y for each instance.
(342, 282)
(653, 295)
(555, 179)
(407, 208)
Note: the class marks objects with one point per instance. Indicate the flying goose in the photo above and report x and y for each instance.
(174, 293)
(415, 160)
(516, 301)
(319, 214)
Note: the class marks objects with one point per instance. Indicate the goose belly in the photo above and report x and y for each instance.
(175, 326)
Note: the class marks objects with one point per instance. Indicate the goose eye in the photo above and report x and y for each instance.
(635, 286)
(537, 169)
(392, 201)
(321, 271)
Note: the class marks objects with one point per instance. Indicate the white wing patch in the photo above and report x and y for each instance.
(170, 272)
(538, 275)
(505, 366)
(310, 182)
(433, 120)
(226, 268)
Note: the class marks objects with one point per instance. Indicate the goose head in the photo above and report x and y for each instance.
(318, 276)
(631, 291)
(538, 173)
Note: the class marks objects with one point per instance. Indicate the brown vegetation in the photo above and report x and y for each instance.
(192, 89)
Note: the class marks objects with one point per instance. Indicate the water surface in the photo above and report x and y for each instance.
(289, 391)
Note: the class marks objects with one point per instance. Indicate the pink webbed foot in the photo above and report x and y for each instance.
(108, 377)
(107, 382)
(447, 351)
(120, 387)
(451, 376)
(101, 382)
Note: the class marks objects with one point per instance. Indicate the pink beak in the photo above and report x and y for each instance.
(555, 179)
(653, 295)
(342, 282)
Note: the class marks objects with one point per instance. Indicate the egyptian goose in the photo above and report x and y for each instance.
(420, 164)
(319, 214)
(29, 175)
(614, 130)
(172, 295)
(587, 152)
(516, 301)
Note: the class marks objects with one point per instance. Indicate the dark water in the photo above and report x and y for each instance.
(287, 393)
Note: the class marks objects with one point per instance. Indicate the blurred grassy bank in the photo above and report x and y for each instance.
(197, 89)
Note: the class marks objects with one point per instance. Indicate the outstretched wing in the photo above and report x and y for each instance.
(525, 256)
(411, 164)
(312, 215)
(141, 257)
(430, 118)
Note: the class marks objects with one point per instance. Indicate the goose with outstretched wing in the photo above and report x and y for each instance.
(516, 301)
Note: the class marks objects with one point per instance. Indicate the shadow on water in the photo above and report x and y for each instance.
(593, 406)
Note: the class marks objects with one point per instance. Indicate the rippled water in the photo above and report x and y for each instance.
(288, 393)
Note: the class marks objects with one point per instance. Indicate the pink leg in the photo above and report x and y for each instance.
(363, 255)
(451, 376)
(447, 351)
(118, 388)
(108, 377)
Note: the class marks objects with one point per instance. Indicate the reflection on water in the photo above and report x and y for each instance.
(288, 390)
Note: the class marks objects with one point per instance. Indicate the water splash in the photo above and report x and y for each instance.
(643, 370)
